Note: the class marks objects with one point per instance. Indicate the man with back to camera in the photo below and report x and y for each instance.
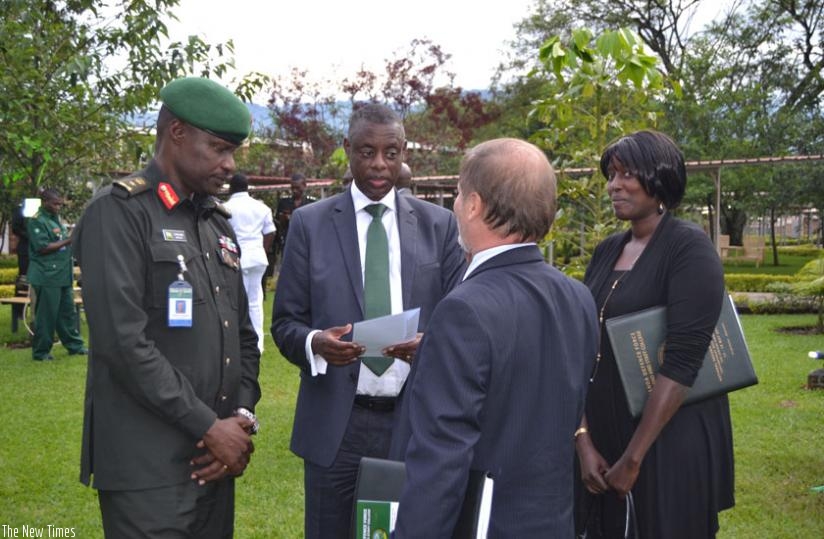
(173, 369)
(501, 375)
(336, 272)
(255, 231)
(50, 275)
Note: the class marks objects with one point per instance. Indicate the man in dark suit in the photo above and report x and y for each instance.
(345, 406)
(501, 375)
(287, 205)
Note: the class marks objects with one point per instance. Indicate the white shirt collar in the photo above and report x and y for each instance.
(361, 201)
(492, 252)
(239, 194)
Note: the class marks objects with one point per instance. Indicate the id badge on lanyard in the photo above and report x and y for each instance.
(180, 299)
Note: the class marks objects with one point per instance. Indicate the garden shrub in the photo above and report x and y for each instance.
(800, 250)
(754, 282)
(8, 261)
(8, 275)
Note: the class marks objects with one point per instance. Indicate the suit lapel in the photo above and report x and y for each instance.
(408, 234)
(343, 218)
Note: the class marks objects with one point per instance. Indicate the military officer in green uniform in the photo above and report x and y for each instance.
(50, 275)
(173, 368)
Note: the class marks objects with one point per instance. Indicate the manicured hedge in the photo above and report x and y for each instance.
(6, 290)
(736, 282)
(754, 282)
(8, 275)
(800, 250)
(8, 261)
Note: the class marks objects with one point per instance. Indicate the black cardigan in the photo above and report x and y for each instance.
(679, 268)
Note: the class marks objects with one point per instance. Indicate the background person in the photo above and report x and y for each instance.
(329, 279)
(169, 397)
(286, 206)
(404, 185)
(347, 178)
(50, 275)
(255, 230)
(18, 228)
(677, 460)
(502, 370)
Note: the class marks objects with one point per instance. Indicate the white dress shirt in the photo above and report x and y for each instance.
(251, 220)
(389, 384)
(486, 254)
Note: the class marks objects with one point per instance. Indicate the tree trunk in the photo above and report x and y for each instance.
(711, 214)
(733, 221)
(772, 237)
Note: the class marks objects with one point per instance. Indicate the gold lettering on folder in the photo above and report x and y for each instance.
(639, 347)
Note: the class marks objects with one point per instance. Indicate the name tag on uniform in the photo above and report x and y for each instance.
(180, 305)
(174, 235)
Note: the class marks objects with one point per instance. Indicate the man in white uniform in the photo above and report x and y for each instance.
(255, 231)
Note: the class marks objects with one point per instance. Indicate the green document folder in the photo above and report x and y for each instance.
(378, 490)
(374, 519)
(638, 341)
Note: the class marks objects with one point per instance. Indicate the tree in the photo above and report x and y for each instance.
(440, 119)
(412, 76)
(604, 86)
(72, 71)
(307, 124)
(742, 82)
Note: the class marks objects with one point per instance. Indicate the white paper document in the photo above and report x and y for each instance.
(378, 333)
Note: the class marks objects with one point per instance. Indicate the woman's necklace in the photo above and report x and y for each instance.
(601, 320)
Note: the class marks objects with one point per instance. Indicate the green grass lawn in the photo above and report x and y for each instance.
(779, 444)
(788, 264)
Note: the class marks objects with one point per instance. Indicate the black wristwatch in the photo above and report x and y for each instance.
(251, 417)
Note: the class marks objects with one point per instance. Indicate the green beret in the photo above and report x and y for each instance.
(209, 106)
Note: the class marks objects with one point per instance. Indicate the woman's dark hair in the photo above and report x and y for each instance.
(655, 160)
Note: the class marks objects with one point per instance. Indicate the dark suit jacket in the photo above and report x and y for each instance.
(499, 386)
(321, 286)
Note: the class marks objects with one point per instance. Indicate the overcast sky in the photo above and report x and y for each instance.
(332, 39)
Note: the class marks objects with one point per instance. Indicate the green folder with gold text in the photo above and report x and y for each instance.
(638, 341)
(378, 489)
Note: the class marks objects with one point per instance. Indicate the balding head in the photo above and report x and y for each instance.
(347, 177)
(516, 183)
(405, 177)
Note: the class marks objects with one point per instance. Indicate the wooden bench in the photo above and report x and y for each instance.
(754, 247)
(752, 250)
(25, 301)
(724, 246)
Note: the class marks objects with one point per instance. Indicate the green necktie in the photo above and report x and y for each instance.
(376, 296)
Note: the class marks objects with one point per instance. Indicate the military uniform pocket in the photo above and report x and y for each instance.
(165, 268)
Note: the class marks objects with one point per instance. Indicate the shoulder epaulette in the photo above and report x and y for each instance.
(222, 210)
(129, 187)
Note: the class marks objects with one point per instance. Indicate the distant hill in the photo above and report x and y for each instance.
(261, 118)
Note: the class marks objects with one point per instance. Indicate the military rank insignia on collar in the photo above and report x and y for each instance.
(167, 195)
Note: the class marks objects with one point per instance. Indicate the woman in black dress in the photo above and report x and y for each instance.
(676, 460)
